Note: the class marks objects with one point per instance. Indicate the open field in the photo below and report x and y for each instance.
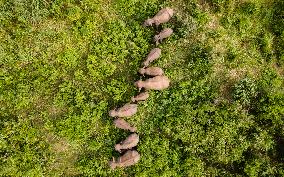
(65, 63)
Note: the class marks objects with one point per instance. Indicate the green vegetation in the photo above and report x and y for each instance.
(65, 63)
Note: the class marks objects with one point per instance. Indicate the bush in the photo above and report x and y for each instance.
(245, 91)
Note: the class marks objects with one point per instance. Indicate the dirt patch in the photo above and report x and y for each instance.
(50, 24)
(213, 23)
(278, 69)
(204, 5)
(225, 91)
(237, 74)
(64, 155)
(55, 111)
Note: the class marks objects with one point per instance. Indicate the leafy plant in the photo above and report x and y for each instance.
(245, 91)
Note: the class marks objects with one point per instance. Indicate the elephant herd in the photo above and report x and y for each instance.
(157, 81)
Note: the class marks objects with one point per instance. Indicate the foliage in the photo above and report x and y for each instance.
(65, 64)
(245, 91)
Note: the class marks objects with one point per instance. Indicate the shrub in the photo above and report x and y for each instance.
(245, 91)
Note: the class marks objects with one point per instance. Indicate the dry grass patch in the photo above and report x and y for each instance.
(64, 155)
(51, 24)
(55, 111)
(278, 69)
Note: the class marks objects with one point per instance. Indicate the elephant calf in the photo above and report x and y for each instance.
(131, 157)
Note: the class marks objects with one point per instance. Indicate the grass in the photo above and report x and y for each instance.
(65, 64)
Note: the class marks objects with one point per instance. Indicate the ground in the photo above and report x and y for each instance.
(65, 63)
